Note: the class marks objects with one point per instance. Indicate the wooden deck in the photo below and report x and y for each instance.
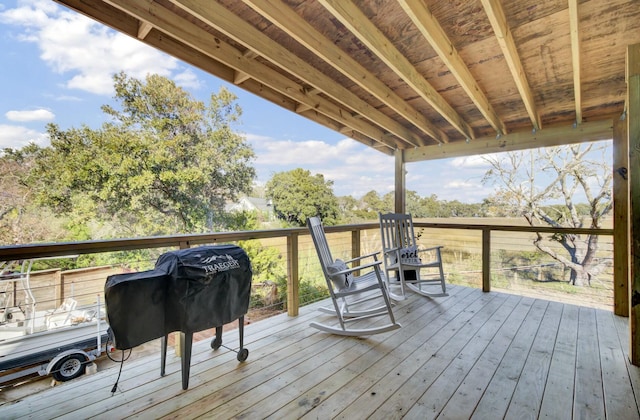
(468, 355)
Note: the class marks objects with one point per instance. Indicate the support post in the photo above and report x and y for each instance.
(486, 260)
(400, 182)
(620, 219)
(293, 293)
(633, 135)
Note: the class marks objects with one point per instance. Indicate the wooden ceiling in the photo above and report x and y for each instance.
(432, 78)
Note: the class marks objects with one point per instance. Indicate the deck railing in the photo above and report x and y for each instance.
(292, 248)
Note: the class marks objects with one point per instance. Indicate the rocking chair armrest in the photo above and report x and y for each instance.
(393, 251)
(362, 257)
(360, 267)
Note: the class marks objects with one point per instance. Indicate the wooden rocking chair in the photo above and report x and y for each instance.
(352, 296)
(404, 262)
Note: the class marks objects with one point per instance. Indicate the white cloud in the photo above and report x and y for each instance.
(86, 51)
(457, 184)
(471, 161)
(354, 168)
(32, 115)
(465, 191)
(68, 98)
(187, 80)
(16, 137)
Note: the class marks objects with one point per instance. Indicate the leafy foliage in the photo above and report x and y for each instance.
(297, 195)
(165, 163)
(367, 207)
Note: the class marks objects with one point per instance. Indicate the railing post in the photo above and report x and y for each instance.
(355, 247)
(293, 282)
(355, 243)
(486, 259)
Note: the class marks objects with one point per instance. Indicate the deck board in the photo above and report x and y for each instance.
(401, 344)
(557, 400)
(527, 398)
(431, 402)
(588, 401)
(615, 377)
(495, 400)
(464, 400)
(468, 355)
(434, 357)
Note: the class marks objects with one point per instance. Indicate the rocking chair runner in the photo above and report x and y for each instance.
(404, 259)
(352, 296)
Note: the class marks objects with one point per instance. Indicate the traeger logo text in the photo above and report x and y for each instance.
(216, 264)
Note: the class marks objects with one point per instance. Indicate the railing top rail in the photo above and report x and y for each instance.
(514, 228)
(28, 251)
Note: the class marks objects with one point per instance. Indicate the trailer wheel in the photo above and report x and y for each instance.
(69, 367)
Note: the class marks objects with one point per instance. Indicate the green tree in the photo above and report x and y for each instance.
(21, 219)
(372, 202)
(414, 204)
(298, 195)
(164, 163)
(347, 209)
(529, 182)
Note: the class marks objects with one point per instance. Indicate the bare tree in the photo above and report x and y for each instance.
(542, 184)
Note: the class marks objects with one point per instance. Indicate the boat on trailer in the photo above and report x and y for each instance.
(60, 342)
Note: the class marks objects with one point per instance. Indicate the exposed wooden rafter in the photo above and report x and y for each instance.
(296, 27)
(198, 39)
(574, 22)
(223, 20)
(435, 35)
(304, 107)
(498, 20)
(351, 17)
(240, 76)
(375, 84)
(143, 29)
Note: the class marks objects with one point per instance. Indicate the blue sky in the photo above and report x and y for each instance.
(58, 66)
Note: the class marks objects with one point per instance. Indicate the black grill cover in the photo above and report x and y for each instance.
(189, 290)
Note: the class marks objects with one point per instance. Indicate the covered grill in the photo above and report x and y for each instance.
(189, 290)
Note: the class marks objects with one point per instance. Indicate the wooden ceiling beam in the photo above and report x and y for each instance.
(352, 18)
(143, 29)
(438, 39)
(516, 140)
(498, 20)
(293, 25)
(219, 17)
(574, 23)
(242, 77)
(199, 40)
